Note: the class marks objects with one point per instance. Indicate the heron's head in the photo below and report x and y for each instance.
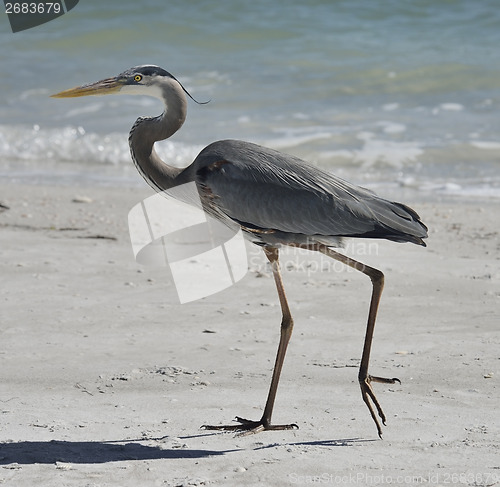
(142, 80)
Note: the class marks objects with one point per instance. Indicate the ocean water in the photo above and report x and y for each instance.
(399, 95)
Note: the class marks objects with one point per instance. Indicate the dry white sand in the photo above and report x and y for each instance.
(105, 379)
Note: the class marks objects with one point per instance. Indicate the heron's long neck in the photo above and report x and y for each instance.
(148, 130)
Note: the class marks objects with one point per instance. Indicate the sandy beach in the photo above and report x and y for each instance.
(105, 379)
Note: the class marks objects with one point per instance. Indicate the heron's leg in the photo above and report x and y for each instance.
(377, 278)
(250, 427)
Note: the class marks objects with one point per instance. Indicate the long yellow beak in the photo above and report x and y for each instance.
(103, 87)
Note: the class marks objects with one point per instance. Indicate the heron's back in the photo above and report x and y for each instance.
(277, 194)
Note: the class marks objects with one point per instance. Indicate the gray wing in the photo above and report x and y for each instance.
(264, 189)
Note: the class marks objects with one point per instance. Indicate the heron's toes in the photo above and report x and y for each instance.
(372, 378)
(245, 427)
(371, 400)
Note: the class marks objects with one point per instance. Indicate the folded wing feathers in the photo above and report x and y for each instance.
(270, 190)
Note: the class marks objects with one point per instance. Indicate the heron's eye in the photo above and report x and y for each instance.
(137, 78)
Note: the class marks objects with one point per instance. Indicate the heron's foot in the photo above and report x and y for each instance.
(367, 394)
(246, 427)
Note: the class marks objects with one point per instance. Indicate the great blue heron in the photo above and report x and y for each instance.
(276, 199)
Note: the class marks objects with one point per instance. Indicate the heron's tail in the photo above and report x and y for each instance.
(403, 224)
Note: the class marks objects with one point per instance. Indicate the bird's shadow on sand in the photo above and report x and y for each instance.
(82, 452)
(30, 452)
